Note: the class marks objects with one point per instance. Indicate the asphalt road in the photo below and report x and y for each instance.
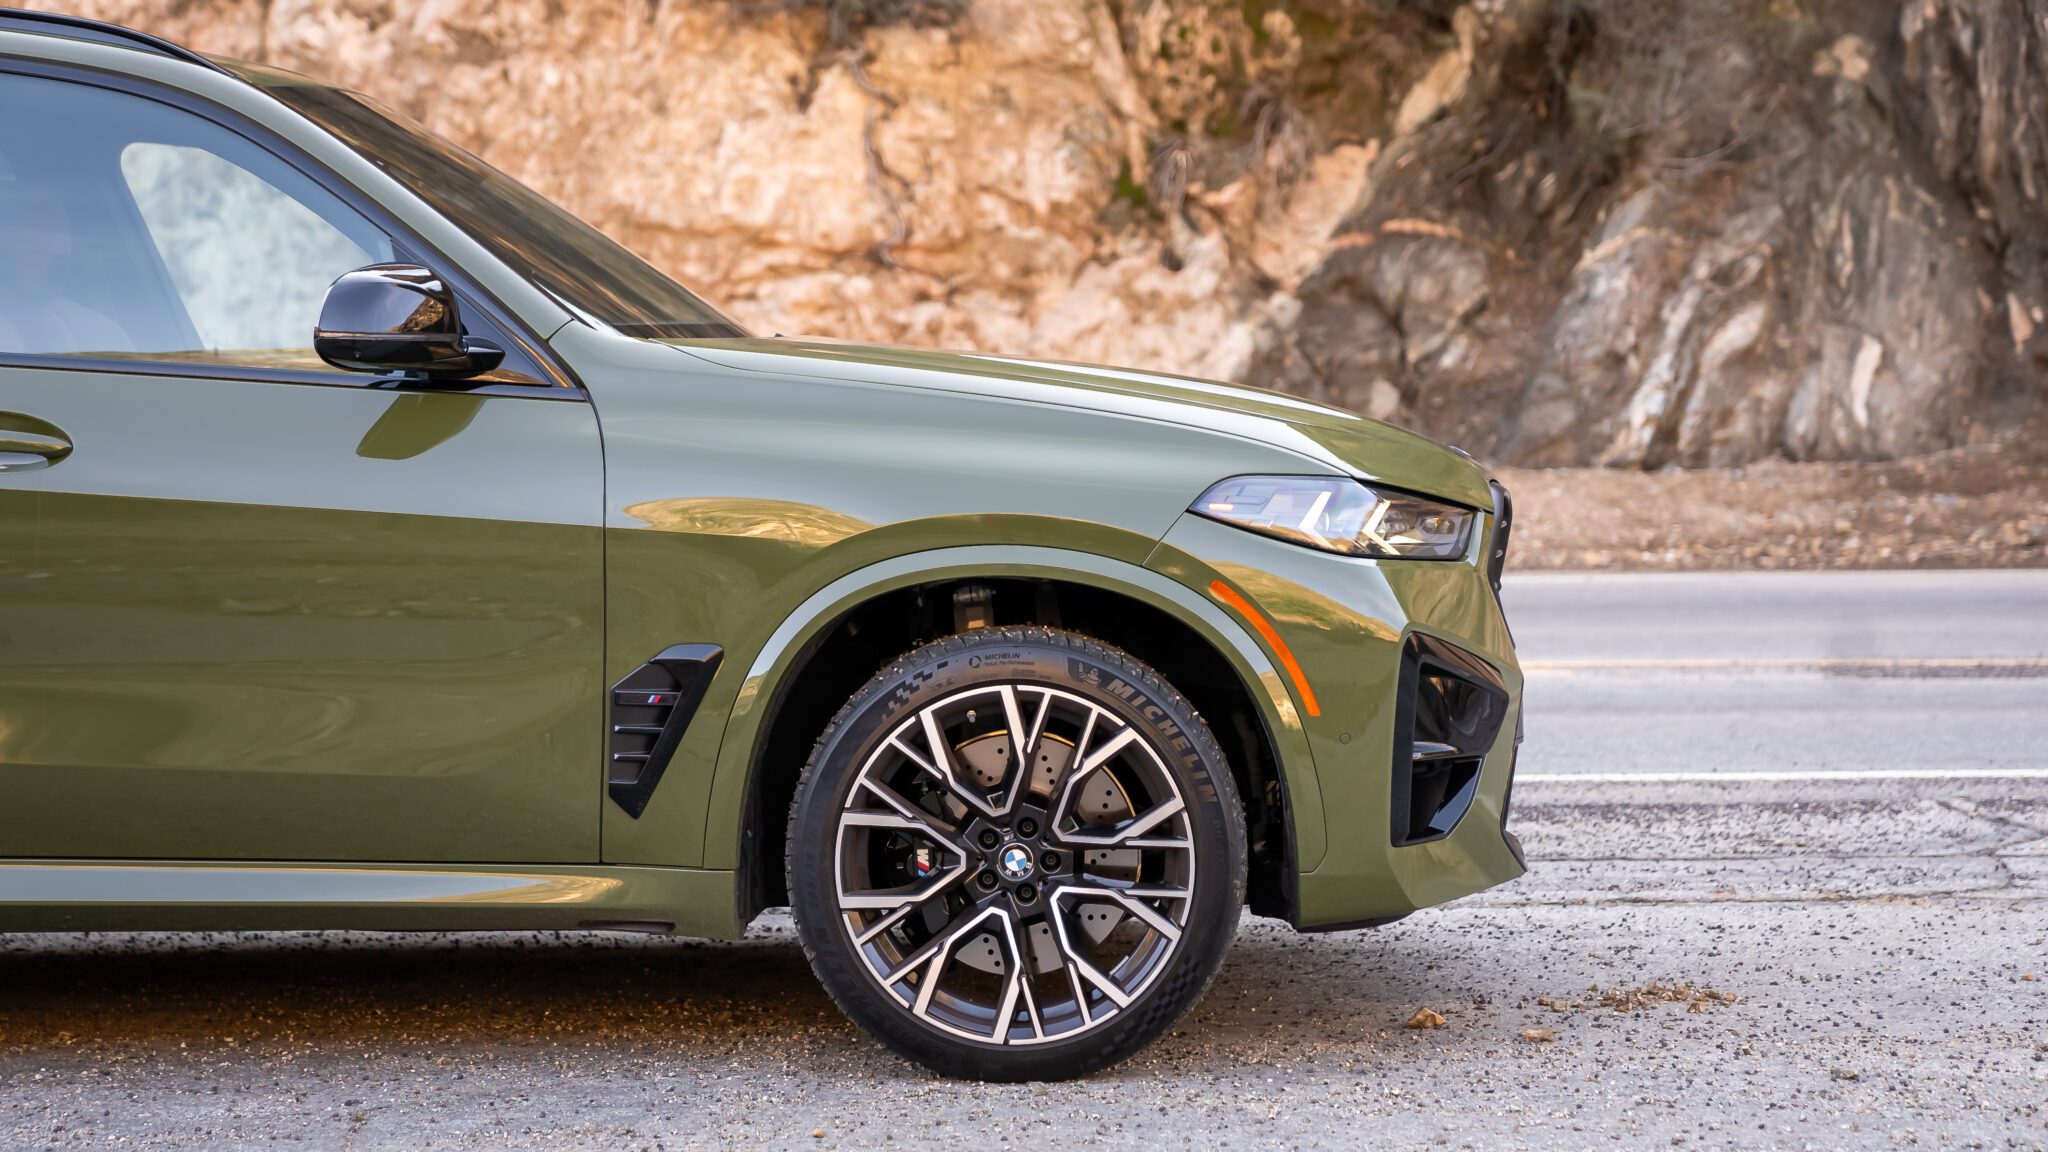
(1864, 672)
(1823, 796)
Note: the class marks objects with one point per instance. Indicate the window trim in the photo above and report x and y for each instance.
(565, 386)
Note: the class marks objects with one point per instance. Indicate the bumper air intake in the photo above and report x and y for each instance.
(1447, 713)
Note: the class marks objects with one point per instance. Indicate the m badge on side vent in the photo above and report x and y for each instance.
(651, 708)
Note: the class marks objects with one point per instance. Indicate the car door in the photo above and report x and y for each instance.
(251, 607)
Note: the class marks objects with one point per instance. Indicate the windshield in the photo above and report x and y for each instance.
(586, 269)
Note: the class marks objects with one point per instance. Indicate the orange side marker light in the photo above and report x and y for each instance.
(1264, 627)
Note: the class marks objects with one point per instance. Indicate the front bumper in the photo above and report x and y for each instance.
(1371, 843)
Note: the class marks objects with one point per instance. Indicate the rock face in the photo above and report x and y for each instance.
(1736, 234)
(1825, 303)
(1596, 231)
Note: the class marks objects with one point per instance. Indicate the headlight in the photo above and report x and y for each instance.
(1340, 515)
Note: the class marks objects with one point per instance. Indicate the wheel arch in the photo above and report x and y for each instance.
(840, 636)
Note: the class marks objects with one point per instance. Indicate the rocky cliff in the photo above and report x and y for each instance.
(1556, 231)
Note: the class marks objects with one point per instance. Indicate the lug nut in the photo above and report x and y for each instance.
(989, 839)
(1027, 827)
(1050, 861)
(1027, 894)
(988, 879)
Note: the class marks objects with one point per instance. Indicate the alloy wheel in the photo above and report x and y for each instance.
(1014, 864)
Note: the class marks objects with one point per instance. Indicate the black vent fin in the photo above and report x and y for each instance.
(1447, 712)
(1503, 526)
(651, 709)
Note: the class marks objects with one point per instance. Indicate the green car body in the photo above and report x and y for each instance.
(318, 652)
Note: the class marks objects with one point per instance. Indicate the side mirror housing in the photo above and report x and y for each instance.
(399, 318)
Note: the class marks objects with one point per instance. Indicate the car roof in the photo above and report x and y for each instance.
(99, 32)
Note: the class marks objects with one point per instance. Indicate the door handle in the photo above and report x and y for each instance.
(26, 443)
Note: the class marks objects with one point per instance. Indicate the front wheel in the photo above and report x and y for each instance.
(1016, 854)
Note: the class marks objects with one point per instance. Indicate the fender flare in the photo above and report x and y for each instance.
(745, 735)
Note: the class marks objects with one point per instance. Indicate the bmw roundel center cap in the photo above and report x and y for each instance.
(1015, 862)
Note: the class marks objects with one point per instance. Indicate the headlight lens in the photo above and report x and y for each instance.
(1339, 515)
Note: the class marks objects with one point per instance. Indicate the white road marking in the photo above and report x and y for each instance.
(1841, 774)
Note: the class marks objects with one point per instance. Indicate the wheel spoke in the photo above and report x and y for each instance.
(1122, 834)
(1085, 760)
(1020, 739)
(941, 945)
(1080, 992)
(945, 767)
(1079, 966)
(1101, 980)
(1132, 900)
(919, 759)
(1031, 1011)
(901, 909)
(1149, 891)
(1015, 986)
(1023, 741)
(884, 924)
(931, 961)
(906, 819)
(1087, 737)
(930, 825)
(894, 899)
(1038, 724)
(1110, 747)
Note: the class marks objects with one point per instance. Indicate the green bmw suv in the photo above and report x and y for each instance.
(383, 548)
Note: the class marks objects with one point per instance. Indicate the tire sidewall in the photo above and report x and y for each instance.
(1046, 658)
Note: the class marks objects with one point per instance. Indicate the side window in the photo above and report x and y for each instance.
(141, 231)
(250, 263)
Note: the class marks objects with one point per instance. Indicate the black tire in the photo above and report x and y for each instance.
(1097, 835)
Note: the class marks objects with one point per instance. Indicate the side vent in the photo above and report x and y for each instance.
(651, 709)
(1447, 713)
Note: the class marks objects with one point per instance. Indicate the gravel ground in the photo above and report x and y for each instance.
(1877, 939)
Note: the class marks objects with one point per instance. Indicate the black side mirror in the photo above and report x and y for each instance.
(399, 318)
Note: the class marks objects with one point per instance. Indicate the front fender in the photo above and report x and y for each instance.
(778, 660)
